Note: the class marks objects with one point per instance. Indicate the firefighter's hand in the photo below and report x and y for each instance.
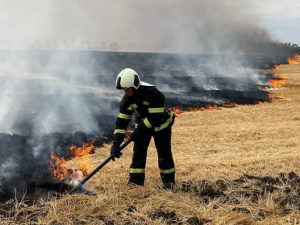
(115, 151)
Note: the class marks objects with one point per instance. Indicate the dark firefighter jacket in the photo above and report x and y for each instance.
(148, 105)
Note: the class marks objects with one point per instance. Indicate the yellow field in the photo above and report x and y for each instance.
(211, 149)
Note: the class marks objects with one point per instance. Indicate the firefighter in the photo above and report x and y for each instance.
(152, 119)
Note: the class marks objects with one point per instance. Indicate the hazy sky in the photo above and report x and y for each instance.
(281, 18)
(151, 24)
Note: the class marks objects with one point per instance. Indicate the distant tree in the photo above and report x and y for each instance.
(289, 48)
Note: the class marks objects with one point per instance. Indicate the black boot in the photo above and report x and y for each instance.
(136, 179)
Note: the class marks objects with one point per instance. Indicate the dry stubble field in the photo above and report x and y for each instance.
(233, 166)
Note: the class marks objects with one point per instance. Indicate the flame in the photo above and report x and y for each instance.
(177, 111)
(275, 83)
(292, 61)
(79, 167)
(277, 80)
(213, 107)
(82, 157)
(86, 148)
(202, 108)
(58, 166)
(296, 56)
(276, 66)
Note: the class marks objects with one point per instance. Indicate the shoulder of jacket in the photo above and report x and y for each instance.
(149, 89)
(152, 93)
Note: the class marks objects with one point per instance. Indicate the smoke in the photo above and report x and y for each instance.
(49, 101)
(7, 169)
(190, 26)
(62, 101)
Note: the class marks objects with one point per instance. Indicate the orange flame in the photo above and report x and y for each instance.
(82, 151)
(58, 167)
(292, 61)
(275, 83)
(213, 107)
(177, 111)
(209, 107)
(61, 169)
(276, 66)
(277, 80)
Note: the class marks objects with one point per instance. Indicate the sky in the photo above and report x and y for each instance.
(281, 18)
(191, 25)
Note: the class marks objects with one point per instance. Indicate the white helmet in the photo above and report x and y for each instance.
(128, 78)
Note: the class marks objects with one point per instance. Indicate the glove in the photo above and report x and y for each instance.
(115, 150)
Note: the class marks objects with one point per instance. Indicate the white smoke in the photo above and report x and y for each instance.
(52, 103)
(192, 26)
(7, 170)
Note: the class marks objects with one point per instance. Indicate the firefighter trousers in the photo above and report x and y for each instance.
(162, 140)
